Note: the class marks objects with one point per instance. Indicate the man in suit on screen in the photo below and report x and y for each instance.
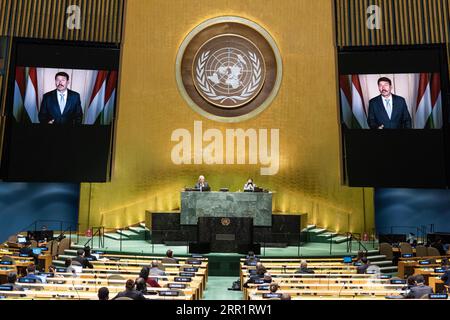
(61, 106)
(388, 111)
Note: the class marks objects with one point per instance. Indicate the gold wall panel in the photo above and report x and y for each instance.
(100, 20)
(403, 22)
(151, 108)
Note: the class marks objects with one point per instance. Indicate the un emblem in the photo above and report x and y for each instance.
(228, 69)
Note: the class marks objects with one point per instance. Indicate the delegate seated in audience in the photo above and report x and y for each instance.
(155, 269)
(28, 251)
(410, 282)
(411, 239)
(446, 277)
(88, 255)
(141, 285)
(304, 268)
(267, 278)
(52, 270)
(130, 292)
(285, 296)
(439, 245)
(103, 293)
(82, 260)
(31, 269)
(362, 269)
(169, 257)
(69, 266)
(144, 274)
(11, 281)
(420, 289)
(274, 287)
(250, 258)
(360, 255)
(260, 272)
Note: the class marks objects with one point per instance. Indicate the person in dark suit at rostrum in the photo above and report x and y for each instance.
(61, 106)
(388, 111)
(202, 184)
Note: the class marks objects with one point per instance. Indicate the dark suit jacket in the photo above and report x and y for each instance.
(400, 118)
(84, 262)
(205, 187)
(418, 291)
(304, 271)
(73, 114)
(133, 294)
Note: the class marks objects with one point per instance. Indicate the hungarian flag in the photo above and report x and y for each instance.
(346, 100)
(436, 100)
(19, 93)
(429, 106)
(31, 97)
(101, 104)
(359, 111)
(353, 110)
(110, 96)
(97, 101)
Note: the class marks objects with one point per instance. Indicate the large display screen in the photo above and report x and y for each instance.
(64, 96)
(391, 101)
(394, 117)
(60, 111)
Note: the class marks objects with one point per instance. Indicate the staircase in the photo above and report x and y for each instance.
(321, 235)
(130, 233)
(386, 266)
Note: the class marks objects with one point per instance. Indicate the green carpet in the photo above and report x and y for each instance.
(217, 289)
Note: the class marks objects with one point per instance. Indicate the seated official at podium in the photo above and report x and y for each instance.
(249, 186)
(202, 184)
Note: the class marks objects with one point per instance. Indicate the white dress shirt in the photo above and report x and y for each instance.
(62, 102)
(387, 102)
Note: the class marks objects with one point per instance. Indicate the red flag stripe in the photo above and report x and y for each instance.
(111, 84)
(33, 77)
(423, 83)
(357, 84)
(101, 77)
(435, 88)
(20, 80)
(344, 83)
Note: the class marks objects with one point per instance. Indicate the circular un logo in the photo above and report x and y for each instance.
(228, 69)
(225, 222)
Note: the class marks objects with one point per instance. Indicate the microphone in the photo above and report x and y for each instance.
(73, 285)
(339, 294)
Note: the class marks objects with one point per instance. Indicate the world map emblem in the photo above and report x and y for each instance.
(228, 69)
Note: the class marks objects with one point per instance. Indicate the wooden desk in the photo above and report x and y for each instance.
(406, 268)
(72, 295)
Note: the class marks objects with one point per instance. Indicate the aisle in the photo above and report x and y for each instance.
(217, 289)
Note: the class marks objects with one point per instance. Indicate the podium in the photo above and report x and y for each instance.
(226, 234)
(256, 205)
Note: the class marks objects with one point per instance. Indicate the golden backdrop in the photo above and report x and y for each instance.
(151, 108)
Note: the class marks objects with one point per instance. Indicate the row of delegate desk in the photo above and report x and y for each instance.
(20, 263)
(429, 267)
(112, 271)
(332, 280)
